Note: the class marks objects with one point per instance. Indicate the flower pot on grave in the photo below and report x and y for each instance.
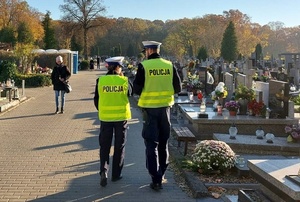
(243, 106)
(232, 113)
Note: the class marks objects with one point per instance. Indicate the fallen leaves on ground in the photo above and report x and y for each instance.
(229, 177)
(216, 192)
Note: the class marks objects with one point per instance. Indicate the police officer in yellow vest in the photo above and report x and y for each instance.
(156, 82)
(111, 101)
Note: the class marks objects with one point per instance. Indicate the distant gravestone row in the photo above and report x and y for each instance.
(274, 93)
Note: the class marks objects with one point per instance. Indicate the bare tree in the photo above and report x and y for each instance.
(87, 13)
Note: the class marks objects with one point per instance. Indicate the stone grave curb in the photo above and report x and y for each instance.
(197, 188)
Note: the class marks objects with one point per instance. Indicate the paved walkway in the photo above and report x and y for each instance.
(47, 157)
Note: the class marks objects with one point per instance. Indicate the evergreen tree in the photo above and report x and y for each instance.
(7, 36)
(130, 50)
(25, 36)
(229, 43)
(258, 52)
(118, 50)
(202, 53)
(49, 36)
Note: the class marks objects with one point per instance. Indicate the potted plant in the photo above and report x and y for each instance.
(257, 108)
(193, 84)
(232, 106)
(293, 133)
(219, 94)
(243, 92)
(296, 100)
(243, 95)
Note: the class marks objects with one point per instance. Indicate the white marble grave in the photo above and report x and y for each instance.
(240, 79)
(228, 80)
(264, 88)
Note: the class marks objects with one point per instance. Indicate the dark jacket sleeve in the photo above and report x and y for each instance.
(53, 75)
(176, 81)
(139, 81)
(68, 73)
(96, 95)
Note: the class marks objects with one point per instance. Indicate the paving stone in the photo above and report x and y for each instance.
(47, 157)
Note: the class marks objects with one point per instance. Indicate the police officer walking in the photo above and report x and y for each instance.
(111, 101)
(156, 82)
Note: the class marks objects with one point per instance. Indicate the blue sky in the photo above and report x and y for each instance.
(260, 11)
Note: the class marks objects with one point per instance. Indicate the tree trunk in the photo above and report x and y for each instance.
(85, 43)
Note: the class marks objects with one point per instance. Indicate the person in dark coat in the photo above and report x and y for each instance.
(92, 63)
(98, 62)
(59, 76)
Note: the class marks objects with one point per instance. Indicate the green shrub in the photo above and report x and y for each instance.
(84, 65)
(33, 80)
(8, 70)
(296, 109)
(296, 100)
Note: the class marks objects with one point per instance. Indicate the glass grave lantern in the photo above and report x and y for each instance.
(260, 133)
(233, 131)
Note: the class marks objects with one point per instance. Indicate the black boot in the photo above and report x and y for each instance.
(62, 110)
(56, 112)
(103, 179)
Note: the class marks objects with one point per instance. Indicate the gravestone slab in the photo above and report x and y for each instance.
(271, 174)
(228, 80)
(288, 60)
(291, 113)
(251, 145)
(264, 88)
(249, 79)
(279, 98)
(294, 76)
(220, 124)
(240, 80)
(249, 64)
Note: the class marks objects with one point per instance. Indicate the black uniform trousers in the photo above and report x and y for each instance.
(108, 130)
(156, 132)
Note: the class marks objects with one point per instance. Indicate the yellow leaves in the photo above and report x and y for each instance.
(289, 139)
(18, 11)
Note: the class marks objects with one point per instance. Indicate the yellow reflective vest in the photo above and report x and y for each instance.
(113, 101)
(158, 89)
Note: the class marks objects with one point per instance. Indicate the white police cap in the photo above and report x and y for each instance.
(151, 44)
(114, 61)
